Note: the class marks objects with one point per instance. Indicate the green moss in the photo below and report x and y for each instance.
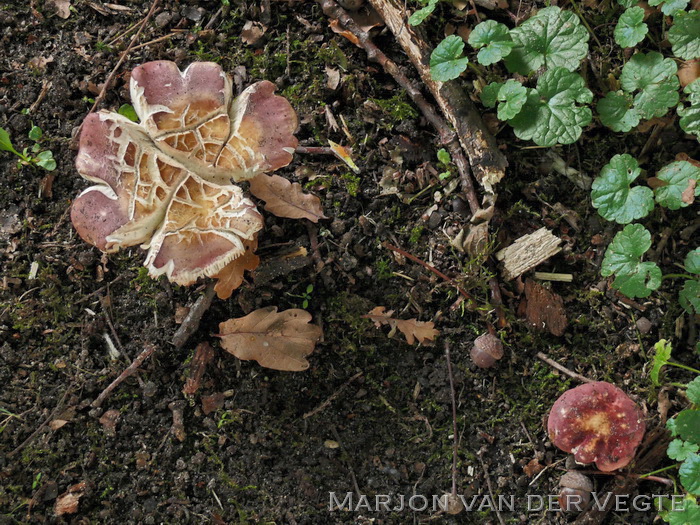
(397, 107)
(352, 183)
(416, 232)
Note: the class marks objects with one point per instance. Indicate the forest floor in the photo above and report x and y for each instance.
(275, 449)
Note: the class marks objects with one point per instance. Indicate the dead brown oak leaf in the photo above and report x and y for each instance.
(413, 329)
(277, 340)
(284, 199)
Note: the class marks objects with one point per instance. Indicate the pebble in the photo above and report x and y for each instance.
(163, 19)
(644, 325)
(434, 220)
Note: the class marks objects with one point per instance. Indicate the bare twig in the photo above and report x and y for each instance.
(488, 484)
(191, 322)
(430, 268)
(454, 419)
(562, 368)
(331, 398)
(130, 370)
(122, 58)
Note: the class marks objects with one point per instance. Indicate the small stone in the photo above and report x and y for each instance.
(434, 220)
(644, 325)
(163, 19)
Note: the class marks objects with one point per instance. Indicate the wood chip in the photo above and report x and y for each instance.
(527, 252)
(544, 309)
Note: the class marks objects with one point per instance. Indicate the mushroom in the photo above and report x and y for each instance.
(575, 491)
(166, 183)
(597, 422)
(486, 351)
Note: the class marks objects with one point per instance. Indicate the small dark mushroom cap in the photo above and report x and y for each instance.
(486, 351)
(597, 422)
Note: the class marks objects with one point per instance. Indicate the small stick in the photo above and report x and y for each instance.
(122, 58)
(428, 267)
(562, 368)
(488, 484)
(34, 434)
(331, 398)
(191, 322)
(130, 370)
(640, 477)
(560, 277)
(154, 41)
(314, 150)
(454, 419)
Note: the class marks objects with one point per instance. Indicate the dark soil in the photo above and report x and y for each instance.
(257, 459)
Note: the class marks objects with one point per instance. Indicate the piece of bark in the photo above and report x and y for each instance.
(487, 162)
(527, 252)
(544, 309)
(203, 355)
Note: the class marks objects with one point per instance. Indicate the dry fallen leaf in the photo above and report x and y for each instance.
(544, 309)
(344, 154)
(285, 199)
(280, 341)
(412, 328)
(67, 503)
(252, 32)
(231, 276)
(203, 355)
(61, 7)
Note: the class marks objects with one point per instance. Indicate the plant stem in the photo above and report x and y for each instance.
(684, 367)
(657, 471)
(677, 276)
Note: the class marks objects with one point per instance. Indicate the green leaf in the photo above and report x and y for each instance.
(630, 29)
(512, 97)
(663, 354)
(693, 391)
(550, 114)
(623, 258)
(35, 133)
(670, 7)
(446, 60)
(678, 449)
(684, 35)
(495, 40)
(689, 296)
(627, 3)
(612, 195)
(128, 111)
(688, 515)
(418, 17)
(655, 77)
(688, 425)
(45, 160)
(690, 474)
(690, 116)
(5, 142)
(679, 176)
(671, 426)
(692, 262)
(552, 38)
(616, 111)
(443, 156)
(489, 95)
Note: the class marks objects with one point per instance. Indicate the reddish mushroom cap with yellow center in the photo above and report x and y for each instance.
(597, 422)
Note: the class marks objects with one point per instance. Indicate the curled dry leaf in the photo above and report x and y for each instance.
(277, 340)
(285, 199)
(203, 355)
(67, 503)
(166, 183)
(413, 329)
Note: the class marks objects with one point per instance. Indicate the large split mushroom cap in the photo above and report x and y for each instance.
(598, 423)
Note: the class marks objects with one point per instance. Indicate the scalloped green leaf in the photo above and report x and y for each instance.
(550, 114)
(689, 296)
(690, 115)
(688, 425)
(630, 29)
(419, 16)
(662, 354)
(627, 3)
(670, 7)
(552, 38)
(613, 196)
(489, 95)
(693, 391)
(623, 258)
(493, 41)
(692, 262)
(680, 176)
(678, 449)
(447, 61)
(684, 35)
(690, 474)
(687, 514)
(655, 78)
(616, 111)
(512, 97)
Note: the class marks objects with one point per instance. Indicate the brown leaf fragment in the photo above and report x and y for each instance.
(203, 355)
(57, 423)
(689, 72)
(532, 468)
(282, 264)
(688, 195)
(231, 276)
(109, 421)
(285, 199)
(60, 7)
(544, 309)
(277, 340)
(67, 503)
(252, 32)
(337, 28)
(212, 403)
(413, 329)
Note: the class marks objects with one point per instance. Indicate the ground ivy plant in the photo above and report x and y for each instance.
(33, 156)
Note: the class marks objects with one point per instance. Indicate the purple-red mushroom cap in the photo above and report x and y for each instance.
(597, 423)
